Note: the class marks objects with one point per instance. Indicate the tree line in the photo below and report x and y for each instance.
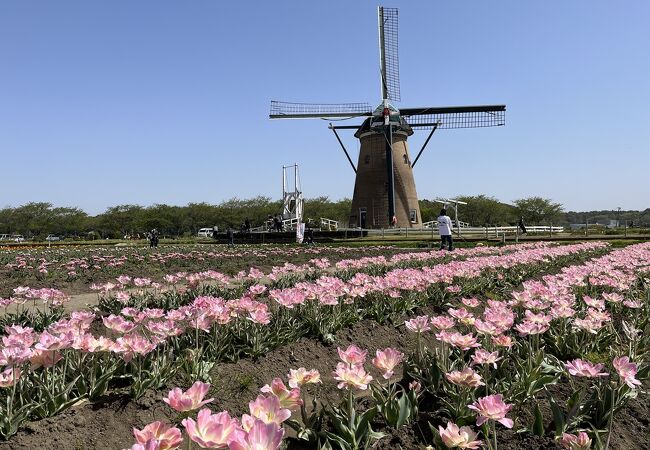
(38, 219)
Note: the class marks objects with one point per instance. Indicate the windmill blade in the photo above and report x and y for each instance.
(449, 117)
(286, 110)
(388, 53)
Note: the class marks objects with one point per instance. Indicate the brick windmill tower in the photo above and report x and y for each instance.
(384, 189)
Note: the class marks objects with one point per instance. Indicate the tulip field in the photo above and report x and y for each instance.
(535, 345)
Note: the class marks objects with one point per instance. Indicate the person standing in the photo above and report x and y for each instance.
(444, 229)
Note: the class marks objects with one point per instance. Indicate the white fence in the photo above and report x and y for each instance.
(486, 232)
(329, 224)
(434, 223)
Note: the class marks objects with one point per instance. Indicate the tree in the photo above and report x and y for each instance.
(538, 210)
(429, 210)
(482, 210)
(68, 221)
(318, 207)
(32, 219)
(119, 220)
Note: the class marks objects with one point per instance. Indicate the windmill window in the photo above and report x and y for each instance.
(414, 216)
(367, 160)
(406, 159)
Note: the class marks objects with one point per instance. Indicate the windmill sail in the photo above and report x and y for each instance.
(388, 53)
(449, 117)
(286, 110)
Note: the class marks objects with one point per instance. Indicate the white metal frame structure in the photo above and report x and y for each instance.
(292, 201)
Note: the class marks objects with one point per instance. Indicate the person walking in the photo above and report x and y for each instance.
(309, 237)
(521, 225)
(444, 229)
(231, 236)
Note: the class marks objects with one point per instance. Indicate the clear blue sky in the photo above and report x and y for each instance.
(115, 102)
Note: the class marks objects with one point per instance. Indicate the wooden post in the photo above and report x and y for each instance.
(517, 234)
(550, 230)
(625, 227)
(586, 227)
(407, 231)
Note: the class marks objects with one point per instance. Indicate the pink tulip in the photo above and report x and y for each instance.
(488, 328)
(528, 327)
(572, 442)
(387, 360)
(466, 378)
(462, 437)
(118, 323)
(351, 377)
(634, 304)
(268, 410)
(289, 399)
(132, 344)
(470, 302)
(442, 322)
(484, 357)
(49, 341)
(260, 315)
(502, 341)
(168, 437)
(189, 400)
(580, 368)
(9, 377)
(44, 358)
(627, 371)
(260, 436)
(302, 376)
(492, 407)
(462, 315)
(353, 355)
(212, 430)
(464, 341)
(419, 324)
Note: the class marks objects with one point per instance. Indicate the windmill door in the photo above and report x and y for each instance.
(362, 217)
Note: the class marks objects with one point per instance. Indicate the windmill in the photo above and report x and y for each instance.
(384, 189)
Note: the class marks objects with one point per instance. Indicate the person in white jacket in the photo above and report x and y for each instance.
(444, 228)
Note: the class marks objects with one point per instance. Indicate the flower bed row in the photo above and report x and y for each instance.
(181, 288)
(86, 265)
(176, 289)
